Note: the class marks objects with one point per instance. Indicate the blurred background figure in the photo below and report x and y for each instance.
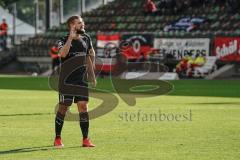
(199, 61)
(55, 57)
(182, 66)
(3, 34)
(150, 7)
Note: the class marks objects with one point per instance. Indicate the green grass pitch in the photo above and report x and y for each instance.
(207, 127)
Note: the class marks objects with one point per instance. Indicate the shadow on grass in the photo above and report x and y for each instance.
(25, 114)
(32, 149)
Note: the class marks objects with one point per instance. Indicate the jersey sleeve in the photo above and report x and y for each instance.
(90, 43)
(90, 46)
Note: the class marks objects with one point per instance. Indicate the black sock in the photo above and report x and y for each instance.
(84, 123)
(59, 120)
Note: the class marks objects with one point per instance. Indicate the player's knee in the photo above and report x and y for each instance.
(63, 108)
(83, 107)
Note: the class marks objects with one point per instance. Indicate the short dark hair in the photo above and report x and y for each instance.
(71, 19)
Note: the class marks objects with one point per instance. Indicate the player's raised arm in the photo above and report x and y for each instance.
(64, 50)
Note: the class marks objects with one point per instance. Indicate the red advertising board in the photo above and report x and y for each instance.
(107, 46)
(227, 48)
(138, 44)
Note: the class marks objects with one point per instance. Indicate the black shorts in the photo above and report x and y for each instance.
(67, 100)
(77, 89)
(76, 93)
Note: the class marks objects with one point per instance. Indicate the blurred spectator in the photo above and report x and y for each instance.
(182, 66)
(150, 7)
(199, 61)
(3, 34)
(55, 57)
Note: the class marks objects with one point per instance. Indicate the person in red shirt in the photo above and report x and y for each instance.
(3, 33)
(150, 7)
(55, 57)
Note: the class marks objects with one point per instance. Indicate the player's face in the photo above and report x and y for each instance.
(79, 24)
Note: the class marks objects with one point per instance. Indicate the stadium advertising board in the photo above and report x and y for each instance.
(179, 47)
(227, 48)
(107, 46)
(133, 45)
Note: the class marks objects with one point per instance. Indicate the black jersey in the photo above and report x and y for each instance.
(79, 49)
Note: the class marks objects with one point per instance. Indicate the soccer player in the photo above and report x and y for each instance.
(74, 45)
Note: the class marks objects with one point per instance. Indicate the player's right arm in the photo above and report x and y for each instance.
(64, 50)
